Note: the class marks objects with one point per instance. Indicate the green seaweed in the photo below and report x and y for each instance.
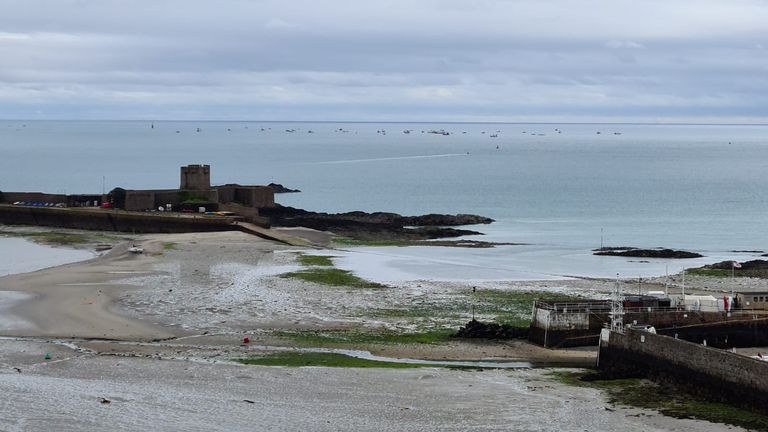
(303, 359)
(640, 393)
(332, 277)
(315, 260)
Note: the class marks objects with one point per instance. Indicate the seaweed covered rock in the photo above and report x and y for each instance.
(480, 330)
(647, 253)
(375, 226)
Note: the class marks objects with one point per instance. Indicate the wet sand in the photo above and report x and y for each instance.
(76, 300)
(176, 316)
(70, 391)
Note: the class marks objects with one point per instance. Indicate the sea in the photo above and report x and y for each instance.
(18, 255)
(558, 190)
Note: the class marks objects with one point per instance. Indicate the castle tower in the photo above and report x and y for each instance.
(196, 177)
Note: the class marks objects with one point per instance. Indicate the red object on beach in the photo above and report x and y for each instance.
(246, 340)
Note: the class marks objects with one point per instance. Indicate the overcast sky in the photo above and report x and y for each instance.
(409, 60)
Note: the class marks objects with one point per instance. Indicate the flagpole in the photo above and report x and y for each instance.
(684, 289)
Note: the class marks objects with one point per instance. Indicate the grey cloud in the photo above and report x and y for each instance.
(434, 59)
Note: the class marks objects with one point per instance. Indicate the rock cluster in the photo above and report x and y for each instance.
(378, 225)
(647, 253)
(481, 330)
(278, 188)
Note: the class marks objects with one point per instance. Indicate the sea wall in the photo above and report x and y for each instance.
(112, 220)
(720, 375)
(250, 214)
(735, 333)
(551, 328)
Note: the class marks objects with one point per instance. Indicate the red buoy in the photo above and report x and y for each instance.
(246, 340)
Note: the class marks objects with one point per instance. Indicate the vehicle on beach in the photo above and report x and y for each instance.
(643, 327)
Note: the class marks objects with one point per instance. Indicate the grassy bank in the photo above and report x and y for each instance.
(668, 401)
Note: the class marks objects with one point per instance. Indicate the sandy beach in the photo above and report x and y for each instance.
(156, 333)
(85, 391)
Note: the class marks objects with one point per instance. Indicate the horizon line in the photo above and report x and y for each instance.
(636, 123)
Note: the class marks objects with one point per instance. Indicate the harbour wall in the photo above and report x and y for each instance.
(749, 332)
(554, 328)
(112, 220)
(719, 375)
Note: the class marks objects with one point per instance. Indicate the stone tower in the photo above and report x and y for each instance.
(196, 177)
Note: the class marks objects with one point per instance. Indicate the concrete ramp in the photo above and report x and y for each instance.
(270, 234)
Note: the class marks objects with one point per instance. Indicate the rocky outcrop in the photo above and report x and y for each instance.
(753, 268)
(445, 220)
(375, 226)
(647, 253)
(481, 330)
(278, 188)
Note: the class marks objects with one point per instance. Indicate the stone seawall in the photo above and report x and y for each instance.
(112, 220)
(558, 329)
(735, 333)
(720, 375)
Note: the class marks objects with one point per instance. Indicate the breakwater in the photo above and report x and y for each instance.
(719, 375)
(112, 220)
(579, 324)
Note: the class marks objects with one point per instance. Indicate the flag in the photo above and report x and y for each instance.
(736, 264)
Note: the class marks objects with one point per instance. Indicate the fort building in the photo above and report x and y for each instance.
(195, 191)
(194, 194)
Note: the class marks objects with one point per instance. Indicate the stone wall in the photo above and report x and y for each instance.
(735, 333)
(139, 200)
(247, 196)
(196, 177)
(110, 220)
(718, 374)
(558, 329)
(12, 197)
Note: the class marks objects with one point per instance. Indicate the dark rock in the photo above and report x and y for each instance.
(649, 253)
(613, 248)
(753, 268)
(375, 226)
(278, 188)
(477, 329)
(445, 220)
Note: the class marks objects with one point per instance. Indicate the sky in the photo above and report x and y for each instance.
(700, 61)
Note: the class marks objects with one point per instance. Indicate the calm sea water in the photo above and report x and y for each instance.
(18, 256)
(555, 186)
